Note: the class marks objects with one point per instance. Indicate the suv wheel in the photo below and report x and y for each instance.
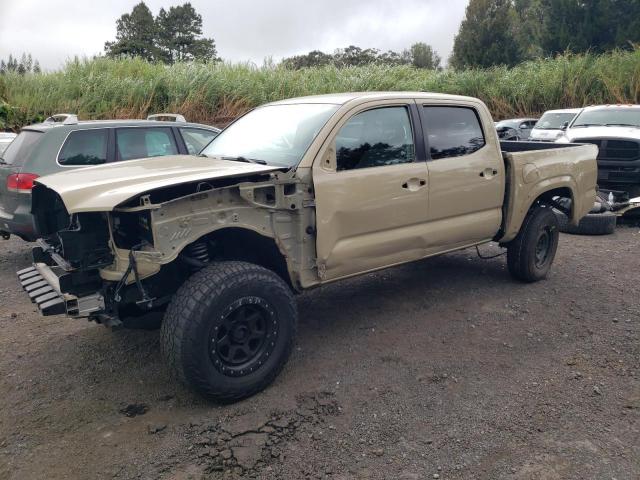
(531, 253)
(229, 330)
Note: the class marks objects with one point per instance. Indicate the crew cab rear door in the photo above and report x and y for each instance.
(371, 190)
(466, 174)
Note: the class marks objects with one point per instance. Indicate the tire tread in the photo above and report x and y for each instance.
(188, 302)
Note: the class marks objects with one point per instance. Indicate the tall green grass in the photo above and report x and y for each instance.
(216, 93)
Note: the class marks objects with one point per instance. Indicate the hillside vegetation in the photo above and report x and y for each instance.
(216, 93)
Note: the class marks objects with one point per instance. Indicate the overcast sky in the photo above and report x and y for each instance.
(244, 30)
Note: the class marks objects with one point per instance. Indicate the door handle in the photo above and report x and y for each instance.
(488, 172)
(414, 184)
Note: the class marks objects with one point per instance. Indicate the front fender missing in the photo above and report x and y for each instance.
(280, 210)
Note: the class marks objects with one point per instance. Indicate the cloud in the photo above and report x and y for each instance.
(244, 30)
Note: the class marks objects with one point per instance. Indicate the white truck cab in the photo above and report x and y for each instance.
(615, 129)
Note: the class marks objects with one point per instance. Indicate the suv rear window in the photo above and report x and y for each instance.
(196, 139)
(21, 148)
(84, 147)
(133, 143)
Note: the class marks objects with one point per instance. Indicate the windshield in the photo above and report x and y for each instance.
(19, 150)
(276, 134)
(554, 120)
(609, 117)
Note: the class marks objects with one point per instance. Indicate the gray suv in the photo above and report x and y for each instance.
(62, 142)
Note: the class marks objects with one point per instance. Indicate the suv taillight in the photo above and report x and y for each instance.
(21, 182)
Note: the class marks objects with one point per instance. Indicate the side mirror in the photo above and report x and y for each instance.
(523, 126)
(565, 125)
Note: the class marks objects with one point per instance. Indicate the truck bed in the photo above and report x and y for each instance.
(535, 168)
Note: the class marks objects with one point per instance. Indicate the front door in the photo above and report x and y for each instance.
(371, 188)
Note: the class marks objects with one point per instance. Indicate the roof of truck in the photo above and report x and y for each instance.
(342, 98)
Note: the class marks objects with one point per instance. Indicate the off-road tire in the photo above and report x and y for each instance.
(521, 251)
(198, 308)
(591, 224)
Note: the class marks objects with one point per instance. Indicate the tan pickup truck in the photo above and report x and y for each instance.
(293, 195)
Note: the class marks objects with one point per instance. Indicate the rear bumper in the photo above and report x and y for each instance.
(42, 284)
(20, 223)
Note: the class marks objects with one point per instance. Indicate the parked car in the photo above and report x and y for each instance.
(293, 195)
(5, 139)
(615, 129)
(515, 129)
(63, 143)
(552, 124)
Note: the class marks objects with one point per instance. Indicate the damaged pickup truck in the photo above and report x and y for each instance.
(293, 195)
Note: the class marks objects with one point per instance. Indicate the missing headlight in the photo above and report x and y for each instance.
(131, 228)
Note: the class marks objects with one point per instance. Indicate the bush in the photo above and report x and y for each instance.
(218, 92)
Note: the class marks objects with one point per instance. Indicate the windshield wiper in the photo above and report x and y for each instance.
(245, 160)
(582, 125)
(622, 125)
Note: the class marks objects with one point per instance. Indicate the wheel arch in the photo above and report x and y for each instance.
(543, 193)
(239, 243)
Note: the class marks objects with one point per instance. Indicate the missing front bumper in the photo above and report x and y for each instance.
(43, 287)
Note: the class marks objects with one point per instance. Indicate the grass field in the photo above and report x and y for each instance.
(216, 93)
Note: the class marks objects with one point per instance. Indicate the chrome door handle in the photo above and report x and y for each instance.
(414, 184)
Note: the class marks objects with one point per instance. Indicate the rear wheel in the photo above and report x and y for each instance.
(531, 253)
(230, 329)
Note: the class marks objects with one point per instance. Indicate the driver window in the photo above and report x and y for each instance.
(375, 138)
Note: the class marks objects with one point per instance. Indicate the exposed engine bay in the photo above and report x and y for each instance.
(133, 259)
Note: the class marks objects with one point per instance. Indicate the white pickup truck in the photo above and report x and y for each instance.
(615, 130)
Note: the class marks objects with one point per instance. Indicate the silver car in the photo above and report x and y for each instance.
(515, 128)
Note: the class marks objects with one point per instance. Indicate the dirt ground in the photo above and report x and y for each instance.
(441, 369)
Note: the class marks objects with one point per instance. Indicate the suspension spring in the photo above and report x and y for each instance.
(198, 251)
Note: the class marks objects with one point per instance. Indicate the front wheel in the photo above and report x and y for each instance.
(531, 253)
(229, 330)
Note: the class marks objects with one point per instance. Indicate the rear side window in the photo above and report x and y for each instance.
(84, 147)
(21, 148)
(135, 143)
(196, 139)
(375, 138)
(452, 131)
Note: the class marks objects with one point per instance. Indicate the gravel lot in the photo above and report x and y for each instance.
(441, 369)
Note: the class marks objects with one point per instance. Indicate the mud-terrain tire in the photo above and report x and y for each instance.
(531, 253)
(591, 224)
(229, 330)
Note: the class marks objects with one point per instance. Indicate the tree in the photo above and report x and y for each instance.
(423, 56)
(353, 56)
(316, 58)
(486, 36)
(529, 16)
(135, 35)
(24, 66)
(180, 35)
